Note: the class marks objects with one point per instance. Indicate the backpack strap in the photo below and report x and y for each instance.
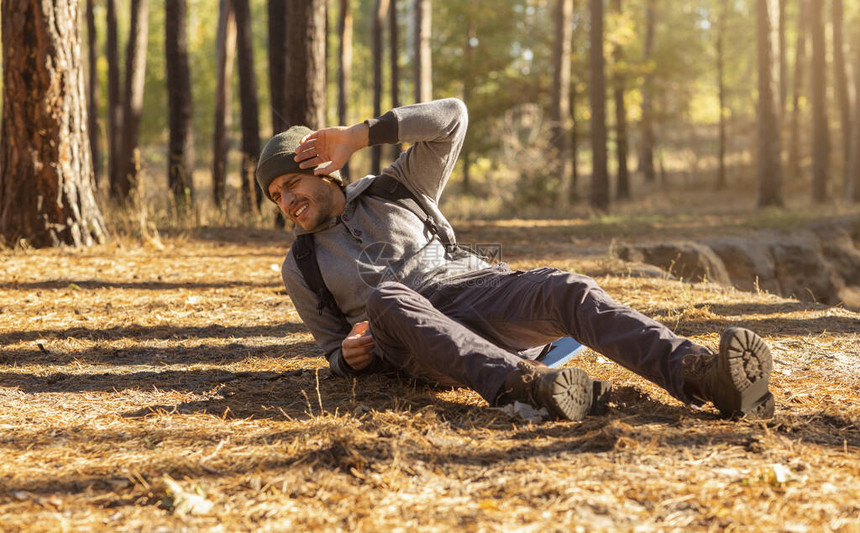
(306, 259)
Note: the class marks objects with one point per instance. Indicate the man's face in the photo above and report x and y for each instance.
(307, 200)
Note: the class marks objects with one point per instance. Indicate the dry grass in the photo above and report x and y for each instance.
(128, 365)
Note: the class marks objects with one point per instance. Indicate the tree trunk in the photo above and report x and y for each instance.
(623, 185)
(46, 174)
(853, 192)
(574, 147)
(379, 10)
(93, 92)
(251, 194)
(560, 109)
(223, 96)
(468, 82)
(769, 167)
(840, 88)
(423, 65)
(180, 152)
(394, 56)
(795, 147)
(783, 60)
(722, 182)
(597, 97)
(820, 133)
(305, 95)
(114, 100)
(135, 78)
(344, 71)
(646, 151)
(277, 52)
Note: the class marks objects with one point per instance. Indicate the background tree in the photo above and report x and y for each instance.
(46, 174)
(114, 100)
(783, 57)
(769, 168)
(180, 151)
(619, 75)
(559, 110)
(597, 92)
(251, 194)
(853, 192)
(223, 96)
(135, 71)
(277, 55)
(820, 132)
(722, 14)
(93, 90)
(344, 70)
(394, 60)
(800, 59)
(423, 55)
(646, 150)
(305, 101)
(379, 11)
(840, 87)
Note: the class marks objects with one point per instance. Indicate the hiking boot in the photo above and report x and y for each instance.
(736, 379)
(564, 392)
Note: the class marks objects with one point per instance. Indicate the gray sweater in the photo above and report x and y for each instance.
(374, 240)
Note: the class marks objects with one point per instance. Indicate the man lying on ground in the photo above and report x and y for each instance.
(376, 275)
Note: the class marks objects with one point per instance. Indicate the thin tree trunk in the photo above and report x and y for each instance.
(46, 174)
(251, 194)
(769, 167)
(223, 96)
(394, 56)
(560, 111)
(344, 77)
(783, 59)
(305, 97)
(840, 88)
(722, 182)
(623, 185)
(423, 66)
(468, 82)
(597, 91)
(572, 195)
(135, 78)
(114, 101)
(379, 10)
(820, 133)
(277, 53)
(795, 148)
(180, 153)
(646, 151)
(853, 192)
(93, 92)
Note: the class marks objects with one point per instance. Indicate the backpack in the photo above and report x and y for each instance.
(384, 187)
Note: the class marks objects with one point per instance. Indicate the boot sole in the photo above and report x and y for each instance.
(744, 365)
(570, 394)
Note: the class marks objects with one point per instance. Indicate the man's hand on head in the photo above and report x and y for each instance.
(331, 145)
(357, 347)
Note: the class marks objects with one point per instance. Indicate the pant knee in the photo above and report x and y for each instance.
(383, 297)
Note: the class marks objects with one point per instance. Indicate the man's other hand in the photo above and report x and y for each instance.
(332, 145)
(357, 346)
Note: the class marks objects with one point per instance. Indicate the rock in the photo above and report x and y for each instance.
(685, 259)
(749, 263)
(802, 272)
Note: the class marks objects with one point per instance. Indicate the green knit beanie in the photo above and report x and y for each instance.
(276, 158)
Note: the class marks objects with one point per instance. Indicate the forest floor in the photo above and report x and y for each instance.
(168, 384)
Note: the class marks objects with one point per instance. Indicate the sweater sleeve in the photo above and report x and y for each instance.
(326, 328)
(436, 130)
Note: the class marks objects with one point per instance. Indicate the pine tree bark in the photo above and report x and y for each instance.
(277, 55)
(795, 148)
(646, 151)
(114, 100)
(180, 146)
(623, 184)
(394, 61)
(135, 78)
(380, 8)
(223, 97)
(252, 196)
(46, 174)
(423, 56)
(722, 182)
(597, 97)
(820, 132)
(840, 88)
(305, 70)
(344, 71)
(769, 166)
(93, 91)
(560, 109)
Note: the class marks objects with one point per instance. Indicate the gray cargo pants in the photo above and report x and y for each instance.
(473, 330)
